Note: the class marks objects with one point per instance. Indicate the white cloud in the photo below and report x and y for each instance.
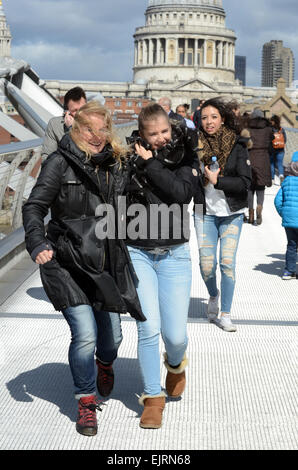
(63, 61)
(93, 39)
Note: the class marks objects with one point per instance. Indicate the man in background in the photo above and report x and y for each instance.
(74, 99)
(166, 104)
(181, 110)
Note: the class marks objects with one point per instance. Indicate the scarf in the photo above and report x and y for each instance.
(219, 145)
(105, 156)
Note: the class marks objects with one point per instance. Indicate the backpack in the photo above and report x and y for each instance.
(279, 140)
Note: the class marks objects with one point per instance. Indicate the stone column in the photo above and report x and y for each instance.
(205, 53)
(177, 51)
(185, 51)
(214, 53)
(150, 52)
(158, 61)
(145, 52)
(196, 53)
(220, 54)
(136, 53)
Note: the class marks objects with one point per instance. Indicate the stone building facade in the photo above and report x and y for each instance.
(5, 36)
(185, 40)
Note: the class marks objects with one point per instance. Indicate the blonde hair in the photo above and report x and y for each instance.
(82, 119)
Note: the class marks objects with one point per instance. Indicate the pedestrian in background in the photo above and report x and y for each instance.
(74, 99)
(181, 110)
(286, 203)
(261, 135)
(278, 148)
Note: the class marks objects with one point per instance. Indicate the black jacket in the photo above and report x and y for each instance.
(236, 178)
(85, 269)
(166, 189)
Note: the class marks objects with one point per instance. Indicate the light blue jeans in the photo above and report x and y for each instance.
(276, 161)
(226, 230)
(164, 292)
(90, 330)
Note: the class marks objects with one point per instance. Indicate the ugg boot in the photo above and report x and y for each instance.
(251, 217)
(259, 214)
(175, 380)
(153, 407)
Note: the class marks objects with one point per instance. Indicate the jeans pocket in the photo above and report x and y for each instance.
(181, 252)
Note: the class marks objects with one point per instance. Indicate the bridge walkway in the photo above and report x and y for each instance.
(241, 387)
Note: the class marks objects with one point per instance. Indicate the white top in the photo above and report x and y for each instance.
(216, 203)
(189, 123)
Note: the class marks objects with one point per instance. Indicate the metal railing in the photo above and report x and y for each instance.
(17, 160)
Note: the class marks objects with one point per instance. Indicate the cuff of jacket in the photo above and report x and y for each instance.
(39, 249)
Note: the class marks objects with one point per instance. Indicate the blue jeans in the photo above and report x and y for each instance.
(90, 330)
(291, 254)
(164, 292)
(227, 230)
(276, 161)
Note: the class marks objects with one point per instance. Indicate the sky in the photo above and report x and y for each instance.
(93, 39)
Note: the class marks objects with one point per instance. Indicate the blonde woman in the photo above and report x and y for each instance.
(85, 277)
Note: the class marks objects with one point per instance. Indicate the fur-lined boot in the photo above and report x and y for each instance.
(175, 380)
(153, 407)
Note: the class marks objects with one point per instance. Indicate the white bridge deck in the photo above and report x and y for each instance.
(241, 387)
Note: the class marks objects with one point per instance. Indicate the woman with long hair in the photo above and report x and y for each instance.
(85, 276)
(225, 201)
(162, 185)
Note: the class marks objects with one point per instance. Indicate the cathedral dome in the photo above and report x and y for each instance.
(184, 39)
(211, 5)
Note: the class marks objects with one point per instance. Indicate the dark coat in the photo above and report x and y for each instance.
(261, 135)
(236, 178)
(175, 116)
(85, 269)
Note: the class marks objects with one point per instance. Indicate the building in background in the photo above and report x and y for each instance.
(5, 36)
(277, 62)
(240, 68)
(184, 40)
(183, 51)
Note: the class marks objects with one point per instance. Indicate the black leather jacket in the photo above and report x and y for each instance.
(85, 269)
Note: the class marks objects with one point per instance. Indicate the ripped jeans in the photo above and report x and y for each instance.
(209, 230)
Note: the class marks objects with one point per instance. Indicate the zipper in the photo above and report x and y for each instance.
(107, 178)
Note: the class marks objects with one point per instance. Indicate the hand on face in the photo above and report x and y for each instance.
(68, 119)
(142, 152)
